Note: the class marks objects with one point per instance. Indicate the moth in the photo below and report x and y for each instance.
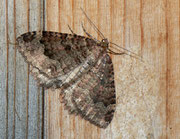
(80, 66)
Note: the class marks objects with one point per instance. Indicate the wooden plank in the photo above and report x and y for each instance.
(35, 94)
(104, 24)
(21, 111)
(173, 70)
(49, 115)
(148, 28)
(11, 69)
(3, 70)
(31, 109)
(91, 7)
(54, 107)
(22, 80)
(125, 29)
(153, 45)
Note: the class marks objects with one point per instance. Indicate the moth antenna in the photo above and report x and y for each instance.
(89, 20)
(103, 37)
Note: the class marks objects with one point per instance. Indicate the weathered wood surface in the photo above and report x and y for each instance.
(149, 28)
(20, 101)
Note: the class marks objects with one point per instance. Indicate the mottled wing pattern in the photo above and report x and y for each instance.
(93, 94)
(77, 65)
(54, 57)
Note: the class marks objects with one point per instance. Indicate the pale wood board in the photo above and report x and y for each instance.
(21, 98)
(148, 28)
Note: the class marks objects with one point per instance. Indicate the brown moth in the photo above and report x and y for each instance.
(80, 66)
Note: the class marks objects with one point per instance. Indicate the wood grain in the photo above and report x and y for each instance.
(149, 28)
(21, 99)
(3, 71)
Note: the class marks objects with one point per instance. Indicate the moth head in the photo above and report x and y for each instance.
(105, 43)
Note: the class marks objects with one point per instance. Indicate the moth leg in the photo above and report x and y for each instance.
(114, 53)
(71, 30)
(89, 35)
(85, 31)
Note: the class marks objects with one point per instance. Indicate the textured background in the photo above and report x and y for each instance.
(147, 27)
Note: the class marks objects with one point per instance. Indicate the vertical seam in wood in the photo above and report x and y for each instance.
(39, 22)
(73, 14)
(44, 12)
(28, 66)
(141, 27)
(42, 130)
(38, 113)
(47, 14)
(111, 14)
(59, 23)
(61, 132)
(167, 69)
(14, 95)
(7, 68)
(98, 19)
(85, 9)
(124, 24)
(48, 113)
